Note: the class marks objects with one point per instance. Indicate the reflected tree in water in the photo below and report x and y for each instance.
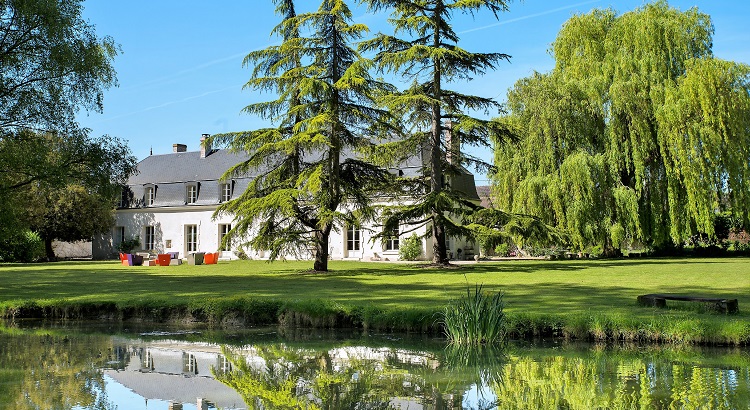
(384, 378)
(610, 381)
(54, 372)
(289, 378)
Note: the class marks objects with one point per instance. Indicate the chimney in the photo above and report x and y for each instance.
(453, 145)
(205, 146)
(179, 147)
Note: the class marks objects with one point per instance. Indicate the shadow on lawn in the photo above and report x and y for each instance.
(516, 266)
(525, 266)
(108, 281)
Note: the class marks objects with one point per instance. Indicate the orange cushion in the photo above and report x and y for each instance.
(163, 259)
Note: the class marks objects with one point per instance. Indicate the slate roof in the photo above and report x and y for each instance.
(185, 167)
(483, 191)
(170, 387)
(169, 174)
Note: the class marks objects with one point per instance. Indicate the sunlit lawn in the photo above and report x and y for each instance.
(554, 287)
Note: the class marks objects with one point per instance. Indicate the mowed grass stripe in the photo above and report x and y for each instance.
(575, 288)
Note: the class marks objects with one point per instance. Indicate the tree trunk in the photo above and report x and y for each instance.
(49, 252)
(610, 251)
(440, 253)
(321, 250)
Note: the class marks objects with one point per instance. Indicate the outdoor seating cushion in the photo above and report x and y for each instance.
(126, 259)
(211, 258)
(163, 259)
(137, 260)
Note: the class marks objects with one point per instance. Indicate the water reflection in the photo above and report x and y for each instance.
(387, 378)
(54, 372)
(63, 369)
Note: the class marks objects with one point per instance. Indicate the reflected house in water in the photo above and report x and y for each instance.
(178, 373)
(87, 372)
(186, 373)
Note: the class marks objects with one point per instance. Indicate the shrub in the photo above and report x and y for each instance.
(128, 245)
(410, 248)
(475, 319)
(597, 251)
(502, 249)
(21, 246)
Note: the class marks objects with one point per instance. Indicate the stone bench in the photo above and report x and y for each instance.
(721, 305)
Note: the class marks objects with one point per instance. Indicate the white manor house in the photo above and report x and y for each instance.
(170, 201)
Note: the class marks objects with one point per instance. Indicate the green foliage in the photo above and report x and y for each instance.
(324, 112)
(410, 249)
(502, 249)
(52, 65)
(21, 246)
(475, 319)
(71, 213)
(429, 57)
(492, 227)
(128, 245)
(62, 187)
(53, 161)
(393, 297)
(55, 371)
(638, 135)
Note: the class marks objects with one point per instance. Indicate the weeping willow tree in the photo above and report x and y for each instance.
(429, 57)
(305, 168)
(638, 135)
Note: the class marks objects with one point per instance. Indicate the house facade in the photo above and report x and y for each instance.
(169, 205)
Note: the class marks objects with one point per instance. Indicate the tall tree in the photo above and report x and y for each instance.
(305, 168)
(71, 213)
(61, 187)
(51, 65)
(429, 58)
(637, 135)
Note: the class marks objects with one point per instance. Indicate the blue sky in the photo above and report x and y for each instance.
(180, 70)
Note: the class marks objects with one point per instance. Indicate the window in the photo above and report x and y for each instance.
(189, 363)
(147, 360)
(224, 365)
(391, 241)
(119, 236)
(352, 239)
(149, 237)
(191, 196)
(191, 238)
(223, 231)
(124, 198)
(150, 195)
(225, 192)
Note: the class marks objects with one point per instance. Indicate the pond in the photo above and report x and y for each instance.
(95, 367)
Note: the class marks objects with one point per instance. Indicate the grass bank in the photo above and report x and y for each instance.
(592, 299)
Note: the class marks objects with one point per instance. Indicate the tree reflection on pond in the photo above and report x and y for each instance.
(62, 369)
(287, 377)
(54, 372)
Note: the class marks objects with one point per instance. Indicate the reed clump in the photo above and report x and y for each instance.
(476, 318)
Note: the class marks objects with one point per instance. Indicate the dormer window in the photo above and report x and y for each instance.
(225, 192)
(150, 195)
(191, 194)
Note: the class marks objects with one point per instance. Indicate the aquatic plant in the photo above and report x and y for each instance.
(476, 318)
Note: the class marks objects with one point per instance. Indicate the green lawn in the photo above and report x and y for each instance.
(556, 288)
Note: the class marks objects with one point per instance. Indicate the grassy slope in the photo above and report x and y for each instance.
(536, 288)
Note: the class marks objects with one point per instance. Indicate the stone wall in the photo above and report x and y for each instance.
(70, 250)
